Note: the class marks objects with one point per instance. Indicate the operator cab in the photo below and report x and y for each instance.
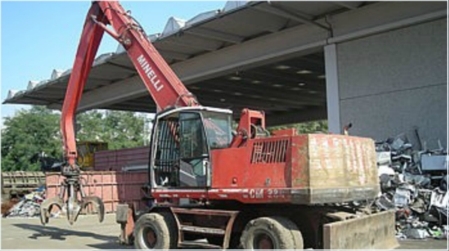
(181, 143)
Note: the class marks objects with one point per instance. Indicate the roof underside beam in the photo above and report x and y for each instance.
(173, 54)
(349, 5)
(213, 34)
(203, 46)
(302, 18)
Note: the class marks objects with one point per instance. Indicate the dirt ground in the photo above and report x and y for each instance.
(87, 233)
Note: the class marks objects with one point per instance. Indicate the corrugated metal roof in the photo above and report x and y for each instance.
(206, 32)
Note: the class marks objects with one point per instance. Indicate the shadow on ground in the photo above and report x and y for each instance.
(56, 233)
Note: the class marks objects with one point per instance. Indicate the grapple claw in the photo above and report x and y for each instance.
(76, 198)
(97, 203)
(46, 207)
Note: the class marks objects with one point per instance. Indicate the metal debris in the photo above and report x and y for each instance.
(414, 184)
(416, 233)
(28, 206)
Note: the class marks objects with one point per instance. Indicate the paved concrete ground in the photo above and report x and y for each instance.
(87, 233)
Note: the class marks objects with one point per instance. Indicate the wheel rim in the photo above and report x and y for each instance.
(149, 237)
(263, 241)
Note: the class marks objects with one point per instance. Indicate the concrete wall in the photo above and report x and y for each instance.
(392, 82)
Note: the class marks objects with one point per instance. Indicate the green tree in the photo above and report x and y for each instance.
(119, 129)
(27, 133)
(305, 127)
(37, 130)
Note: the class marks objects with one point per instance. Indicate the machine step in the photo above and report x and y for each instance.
(195, 244)
(195, 220)
(203, 230)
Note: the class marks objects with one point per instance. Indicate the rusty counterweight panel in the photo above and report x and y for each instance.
(333, 168)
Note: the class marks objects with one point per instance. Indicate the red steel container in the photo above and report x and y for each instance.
(111, 186)
(117, 160)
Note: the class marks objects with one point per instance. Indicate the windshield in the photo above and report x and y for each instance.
(218, 129)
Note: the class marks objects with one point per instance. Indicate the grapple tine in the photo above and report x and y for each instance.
(73, 209)
(97, 203)
(46, 207)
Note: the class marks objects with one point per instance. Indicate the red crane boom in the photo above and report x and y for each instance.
(162, 83)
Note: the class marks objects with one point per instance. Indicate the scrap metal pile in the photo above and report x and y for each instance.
(28, 205)
(414, 183)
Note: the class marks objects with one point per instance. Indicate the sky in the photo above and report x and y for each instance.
(38, 36)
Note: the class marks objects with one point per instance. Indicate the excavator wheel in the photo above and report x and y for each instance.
(155, 231)
(271, 233)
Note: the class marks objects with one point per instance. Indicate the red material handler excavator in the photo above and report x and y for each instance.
(237, 189)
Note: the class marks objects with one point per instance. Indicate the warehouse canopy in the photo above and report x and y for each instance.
(228, 58)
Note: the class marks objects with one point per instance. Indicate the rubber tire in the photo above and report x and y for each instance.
(164, 226)
(284, 233)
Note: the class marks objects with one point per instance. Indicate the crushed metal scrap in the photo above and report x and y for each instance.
(28, 206)
(414, 184)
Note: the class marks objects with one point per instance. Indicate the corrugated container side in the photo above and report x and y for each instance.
(115, 160)
(111, 186)
(21, 181)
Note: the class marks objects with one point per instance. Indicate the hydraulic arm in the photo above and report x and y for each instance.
(162, 83)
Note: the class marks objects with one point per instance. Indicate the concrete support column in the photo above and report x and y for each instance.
(332, 89)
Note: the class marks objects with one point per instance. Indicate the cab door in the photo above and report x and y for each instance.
(194, 151)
